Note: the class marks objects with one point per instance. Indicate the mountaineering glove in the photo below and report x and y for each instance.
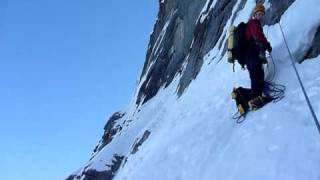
(269, 48)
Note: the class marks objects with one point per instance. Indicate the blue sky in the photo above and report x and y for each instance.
(65, 67)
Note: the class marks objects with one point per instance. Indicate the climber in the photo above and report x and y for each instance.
(256, 46)
(255, 56)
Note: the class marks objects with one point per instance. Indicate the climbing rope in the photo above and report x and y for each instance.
(272, 60)
(275, 91)
(299, 79)
(273, 75)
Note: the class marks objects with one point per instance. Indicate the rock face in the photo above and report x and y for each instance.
(276, 10)
(140, 141)
(206, 35)
(92, 174)
(314, 50)
(110, 129)
(169, 44)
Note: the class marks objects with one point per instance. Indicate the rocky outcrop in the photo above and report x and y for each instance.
(276, 10)
(92, 174)
(140, 141)
(110, 129)
(169, 45)
(314, 50)
(205, 36)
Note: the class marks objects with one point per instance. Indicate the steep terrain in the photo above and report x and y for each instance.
(179, 124)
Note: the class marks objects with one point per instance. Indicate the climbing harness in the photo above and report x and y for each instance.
(299, 79)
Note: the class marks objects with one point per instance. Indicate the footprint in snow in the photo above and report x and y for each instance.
(260, 127)
(264, 116)
(273, 148)
(277, 128)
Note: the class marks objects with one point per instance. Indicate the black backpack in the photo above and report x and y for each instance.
(237, 44)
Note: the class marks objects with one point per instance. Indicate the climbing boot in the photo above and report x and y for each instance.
(239, 95)
(259, 101)
(255, 103)
(234, 93)
(241, 109)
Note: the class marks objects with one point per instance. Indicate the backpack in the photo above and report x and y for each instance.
(237, 44)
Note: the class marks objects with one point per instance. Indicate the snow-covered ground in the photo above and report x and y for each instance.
(195, 137)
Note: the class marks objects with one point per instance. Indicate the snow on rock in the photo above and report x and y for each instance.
(300, 29)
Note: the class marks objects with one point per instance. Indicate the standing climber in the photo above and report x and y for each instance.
(255, 56)
(247, 44)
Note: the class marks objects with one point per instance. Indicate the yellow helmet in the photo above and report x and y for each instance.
(259, 8)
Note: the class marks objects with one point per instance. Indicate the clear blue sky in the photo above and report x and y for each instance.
(65, 67)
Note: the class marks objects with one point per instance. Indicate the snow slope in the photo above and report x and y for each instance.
(195, 137)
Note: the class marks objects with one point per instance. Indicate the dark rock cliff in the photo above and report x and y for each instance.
(110, 129)
(314, 50)
(169, 44)
(92, 174)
